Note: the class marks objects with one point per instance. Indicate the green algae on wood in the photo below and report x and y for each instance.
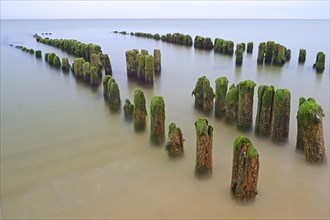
(114, 95)
(128, 110)
(149, 69)
(38, 53)
(157, 61)
(130, 63)
(157, 122)
(105, 61)
(105, 81)
(204, 94)
(299, 144)
(249, 48)
(261, 52)
(245, 169)
(50, 58)
(270, 47)
(78, 67)
(141, 67)
(86, 71)
(245, 104)
(239, 56)
(310, 126)
(281, 115)
(221, 87)
(140, 111)
(265, 110)
(319, 64)
(94, 76)
(65, 64)
(96, 62)
(302, 55)
(204, 142)
(174, 145)
(232, 103)
(57, 62)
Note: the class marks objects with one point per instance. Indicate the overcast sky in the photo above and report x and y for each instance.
(165, 9)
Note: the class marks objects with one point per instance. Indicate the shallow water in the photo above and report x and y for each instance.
(64, 154)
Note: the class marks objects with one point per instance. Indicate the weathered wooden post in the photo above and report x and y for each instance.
(105, 82)
(157, 122)
(270, 47)
(232, 103)
(319, 64)
(149, 69)
(310, 126)
(50, 58)
(221, 87)
(239, 55)
(140, 111)
(130, 63)
(245, 170)
(299, 144)
(281, 115)
(174, 145)
(157, 61)
(128, 109)
(86, 71)
(106, 64)
(94, 76)
(249, 48)
(38, 53)
(261, 52)
(78, 67)
(302, 56)
(65, 64)
(204, 142)
(114, 95)
(96, 62)
(245, 104)
(56, 62)
(264, 111)
(204, 94)
(141, 60)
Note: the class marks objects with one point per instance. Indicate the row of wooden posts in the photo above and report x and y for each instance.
(269, 52)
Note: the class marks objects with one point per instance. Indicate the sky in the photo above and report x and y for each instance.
(246, 9)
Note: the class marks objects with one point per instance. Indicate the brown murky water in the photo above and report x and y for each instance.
(64, 154)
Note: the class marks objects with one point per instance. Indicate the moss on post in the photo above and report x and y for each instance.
(140, 111)
(114, 95)
(105, 81)
(78, 67)
(319, 64)
(239, 56)
(245, 169)
(249, 48)
(46, 57)
(94, 76)
(157, 61)
(261, 52)
(65, 64)
(96, 62)
(86, 71)
(299, 144)
(144, 52)
(287, 54)
(221, 87)
(130, 63)
(174, 145)
(204, 94)
(270, 47)
(57, 62)
(302, 56)
(141, 67)
(204, 142)
(128, 110)
(265, 109)
(232, 103)
(50, 58)
(149, 69)
(245, 104)
(281, 115)
(309, 117)
(106, 64)
(279, 55)
(157, 125)
(38, 54)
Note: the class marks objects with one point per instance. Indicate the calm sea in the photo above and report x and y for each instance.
(64, 154)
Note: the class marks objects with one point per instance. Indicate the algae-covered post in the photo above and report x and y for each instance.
(105, 81)
(204, 94)
(309, 117)
(204, 141)
(57, 62)
(270, 47)
(245, 104)
(50, 58)
(302, 56)
(94, 76)
(149, 69)
(299, 144)
(281, 115)
(96, 62)
(65, 64)
(245, 170)
(221, 87)
(157, 122)
(86, 71)
(130, 63)
(157, 61)
(319, 64)
(141, 60)
(140, 111)
(78, 67)
(239, 55)
(261, 52)
(38, 53)
(174, 145)
(106, 64)
(114, 95)
(249, 48)
(265, 110)
(128, 109)
(232, 103)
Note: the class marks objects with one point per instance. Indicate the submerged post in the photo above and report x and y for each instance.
(245, 104)
(310, 126)
(86, 71)
(157, 61)
(281, 115)
(204, 136)
(265, 110)
(78, 67)
(174, 145)
(204, 94)
(157, 123)
(149, 69)
(128, 109)
(38, 53)
(65, 64)
(245, 169)
(130, 63)
(94, 76)
(221, 87)
(319, 64)
(105, 81)
(249, 48)
(140, 111)
(261, 52)
(114, 95)
(302, 56)
(232, 103)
